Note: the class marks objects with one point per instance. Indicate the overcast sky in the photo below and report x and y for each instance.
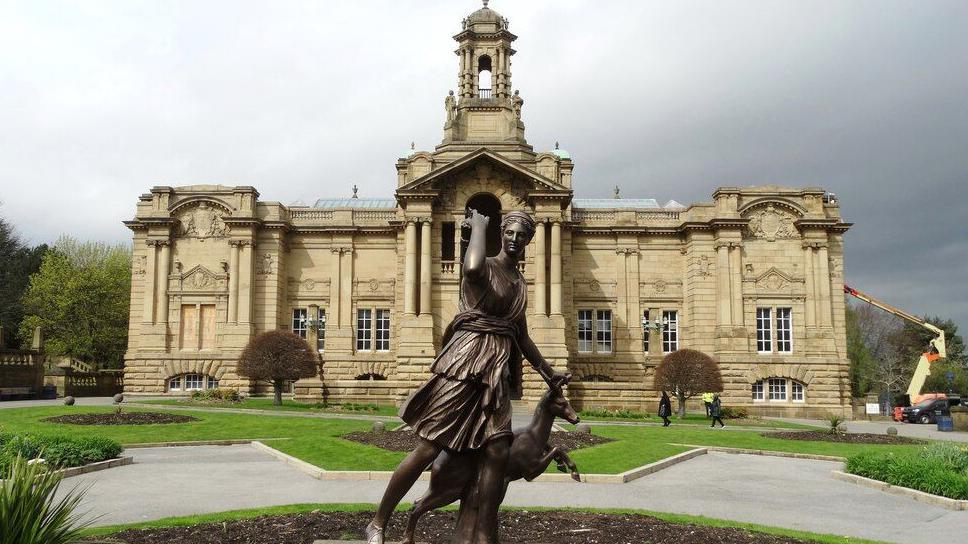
(99, 101)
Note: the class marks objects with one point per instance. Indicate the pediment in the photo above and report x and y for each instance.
(430, 181)
(775, 281)
(200, 278)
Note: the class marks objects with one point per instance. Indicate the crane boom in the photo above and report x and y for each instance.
(938, 351)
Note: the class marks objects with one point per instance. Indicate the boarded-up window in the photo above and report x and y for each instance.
(207, 321)
(189, 326)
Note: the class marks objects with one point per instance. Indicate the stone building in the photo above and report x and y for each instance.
(752, 277)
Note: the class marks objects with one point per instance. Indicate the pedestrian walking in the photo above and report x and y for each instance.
(665, 409)
(707, 400)
(716, 411)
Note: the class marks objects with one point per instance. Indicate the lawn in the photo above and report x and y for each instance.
(261, 403)
(317, 440)
(699, 419)
(187, 521)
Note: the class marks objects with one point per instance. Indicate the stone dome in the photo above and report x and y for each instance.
(485, 15)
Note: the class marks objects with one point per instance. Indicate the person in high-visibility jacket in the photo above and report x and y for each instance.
(707, 400)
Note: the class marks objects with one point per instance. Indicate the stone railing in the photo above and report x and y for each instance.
(11, 357)
(593, 216)
(311, 216)
(448, 268)
(656, 216)
(373, 216)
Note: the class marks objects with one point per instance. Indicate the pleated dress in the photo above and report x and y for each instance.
(466, 402)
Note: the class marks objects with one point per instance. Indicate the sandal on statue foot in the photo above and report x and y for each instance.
(373, 534)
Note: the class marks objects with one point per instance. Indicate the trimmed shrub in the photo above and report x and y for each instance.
(217, 394)
(940, 469)
(59, 451)
(731, 412)
(618, 413)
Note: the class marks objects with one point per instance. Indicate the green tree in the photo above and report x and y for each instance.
(861, 360)
(17, 263)
(80, 299)
(912, 340)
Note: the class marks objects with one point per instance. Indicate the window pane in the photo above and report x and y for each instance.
(796, 392)
(670, 331)
(321, 329)
(764, 342)
(174, 384)
(193, 381)
(758, 390)
(645, 332)
(603, 328)
(383, 330)
(784, 330)
(584, 330)
(299, 322)
(212, 383)
(364, 324)
(778, 389)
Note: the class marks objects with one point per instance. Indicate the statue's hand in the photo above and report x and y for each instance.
(475, 220)
(559, 379)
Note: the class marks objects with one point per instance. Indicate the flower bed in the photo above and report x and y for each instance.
(939, 469)
(59, 451)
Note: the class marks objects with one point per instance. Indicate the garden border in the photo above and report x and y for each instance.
(95, 467)
(768, 453)
(920, 496)
(621, 478)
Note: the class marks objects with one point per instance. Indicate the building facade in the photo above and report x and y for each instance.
(753, 277)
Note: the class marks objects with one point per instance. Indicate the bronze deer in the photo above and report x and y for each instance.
(453, 475)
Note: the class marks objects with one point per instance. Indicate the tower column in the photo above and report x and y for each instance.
(540, 275)
(410, 268)
(722, 275)
(163, 268)
(233, 282)
(556, 268)
(149, 283)
(736, 273)
(425, 262)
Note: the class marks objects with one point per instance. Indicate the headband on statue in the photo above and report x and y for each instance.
(520, 218)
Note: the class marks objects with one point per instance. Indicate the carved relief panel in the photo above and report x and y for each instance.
(771, 222)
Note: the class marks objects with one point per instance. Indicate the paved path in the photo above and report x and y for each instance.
(914, 430)
(797, 494)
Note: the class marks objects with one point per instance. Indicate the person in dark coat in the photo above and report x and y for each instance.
(665, 409)
(716, 410)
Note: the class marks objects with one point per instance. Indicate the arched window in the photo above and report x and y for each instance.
(371, 376)
(484, 82)
(192, 382)
(597, 378)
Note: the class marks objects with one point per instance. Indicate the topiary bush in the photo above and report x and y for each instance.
(940, 469)
(217, 394)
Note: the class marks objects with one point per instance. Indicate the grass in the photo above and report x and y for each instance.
(234, 515)
(317, 440)
(696, 419)
(940, 468)
(288, 405)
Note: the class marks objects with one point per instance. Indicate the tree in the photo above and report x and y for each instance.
(277, 356)
(912, 340)
(688, 373)
(861, 360)
(80, 298)
(17, 263)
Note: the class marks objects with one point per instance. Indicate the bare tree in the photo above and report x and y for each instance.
(687, 373)
(277, 356)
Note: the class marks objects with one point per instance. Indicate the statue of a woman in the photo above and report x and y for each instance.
(466, 404)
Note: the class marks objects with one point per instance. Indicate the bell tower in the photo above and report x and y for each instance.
(484, 109)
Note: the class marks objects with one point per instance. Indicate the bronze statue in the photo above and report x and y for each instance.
(465, 407)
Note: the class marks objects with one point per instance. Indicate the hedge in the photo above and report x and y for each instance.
(939, 469)
(60, 451)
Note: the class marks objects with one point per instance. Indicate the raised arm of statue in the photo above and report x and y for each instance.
(474, 258)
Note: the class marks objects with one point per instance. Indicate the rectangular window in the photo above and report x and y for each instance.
(796, 392)
(189, 326)
(321, 329)
(383, 330)
(212, 383)
(364, 331)
(603, 332)
(174, 384)
(645, 331)
(778, 389)
(764, 330)
(784, 330)
(207, 323)
(299, 322)
(758, 390)
(447, 239)
(585, 331)
(193, 381)
(670, 331)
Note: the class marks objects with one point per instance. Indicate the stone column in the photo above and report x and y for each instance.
(810, 306)
(621, 290)
(335, 289)
(723, 297)
(635, 309)
(163, 268)
(736, 288)
(410, 269)
(556, 268)
(245, 282)
(346, 287)
(149, 283)
(233, 282)
(425, 262)
(824, 284)
(540, 274)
